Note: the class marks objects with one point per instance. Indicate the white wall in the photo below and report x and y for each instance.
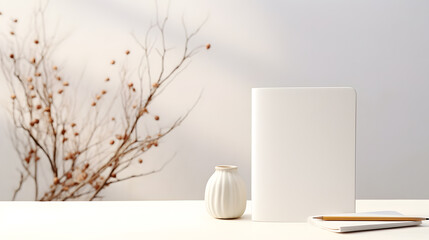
(379, 47)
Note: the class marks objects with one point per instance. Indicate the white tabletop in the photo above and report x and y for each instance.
(177, 220)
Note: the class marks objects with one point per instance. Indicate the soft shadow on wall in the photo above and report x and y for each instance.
(377, 47)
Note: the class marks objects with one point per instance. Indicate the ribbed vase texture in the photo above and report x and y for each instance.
(225, 194)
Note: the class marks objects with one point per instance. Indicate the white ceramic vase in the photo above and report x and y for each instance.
(225, 194)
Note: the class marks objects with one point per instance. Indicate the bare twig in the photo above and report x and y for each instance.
(71, 156)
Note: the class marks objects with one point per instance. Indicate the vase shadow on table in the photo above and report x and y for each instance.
(245, 217)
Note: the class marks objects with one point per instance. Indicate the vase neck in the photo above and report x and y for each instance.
(228, 168)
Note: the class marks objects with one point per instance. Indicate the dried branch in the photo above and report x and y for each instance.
(21, 181)
(72, 158)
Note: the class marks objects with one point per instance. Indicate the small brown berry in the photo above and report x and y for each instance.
(86, 165)
(15, 20)
(29, 79)
(93, 104)
(81, 177)
(155, 144)
(103, 92)
(27, 160)
(36, 41)
(134, 106)
(65, 188)
(107, 79)
(58, 78)
(55, 68)
(97, 97)
(36, 121)
(31, 87)
(113, 62)
(13, 96)
(113, 119)
(76, 134)
(156, 117)
(47, 109)
(155, 85)
(73, 124)
(12, 56)
(112, 142)
(38, 74)
(33, 60)
(130, 85)
(51, 120)
(127, 52)
(60, 91)
(37, 158)
(56, 180)
(39, 106)
(208, 46)
(65, 140)
(33, 96)
(12, 33)
(65, 84)
(50, 95)
(63, 132)
(140, 161)
(113, 175)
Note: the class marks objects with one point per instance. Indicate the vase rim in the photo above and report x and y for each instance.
(226, 167)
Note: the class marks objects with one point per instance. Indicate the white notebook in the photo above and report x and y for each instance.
(303, 152)
(353, 226)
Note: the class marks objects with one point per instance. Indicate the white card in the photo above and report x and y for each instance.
(303, 152)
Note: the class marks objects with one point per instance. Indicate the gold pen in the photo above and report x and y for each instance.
(370, 218)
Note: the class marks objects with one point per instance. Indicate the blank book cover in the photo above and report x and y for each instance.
(303, 152)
